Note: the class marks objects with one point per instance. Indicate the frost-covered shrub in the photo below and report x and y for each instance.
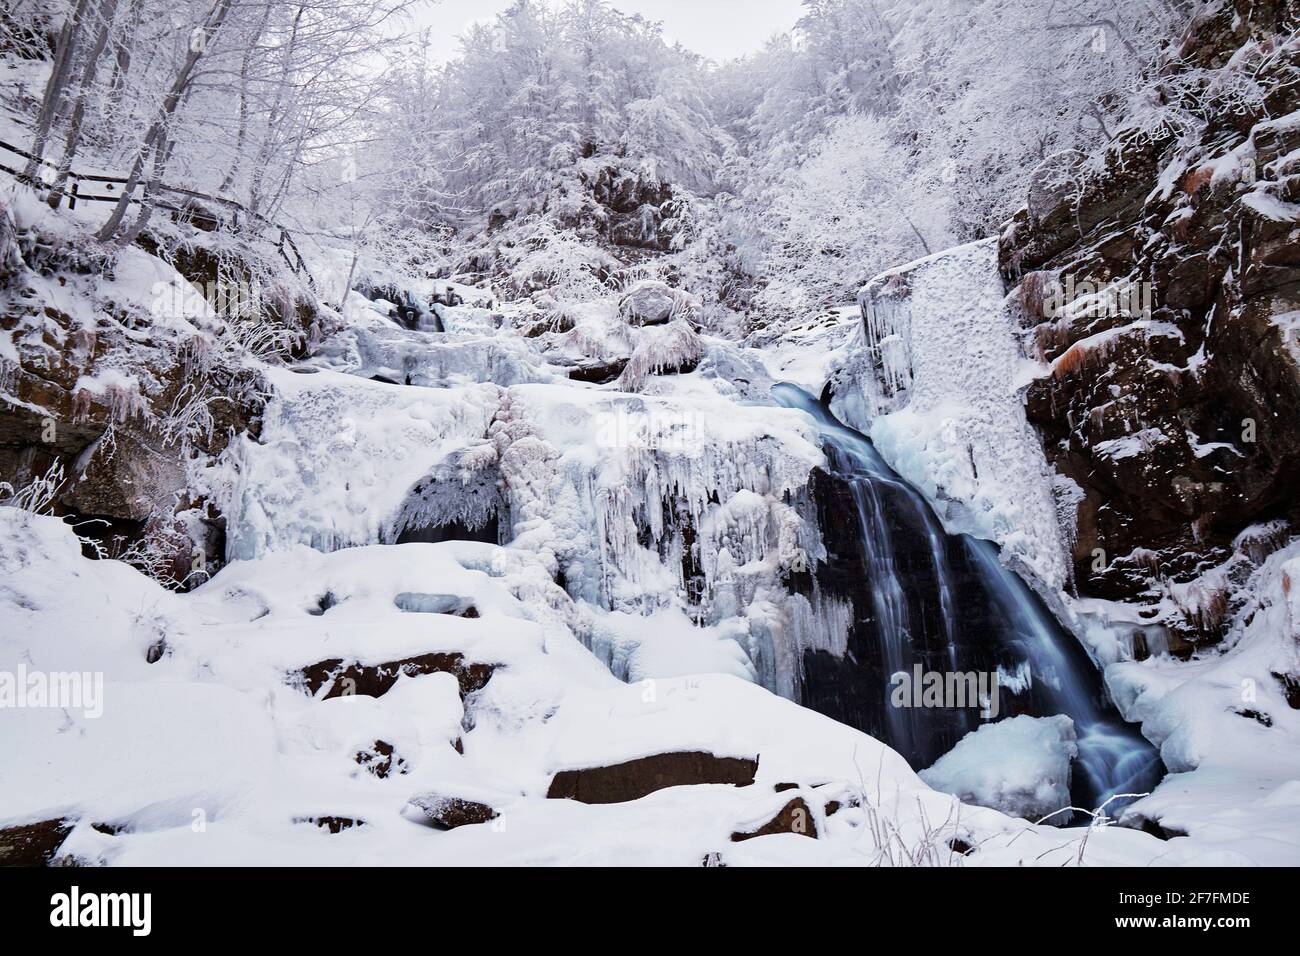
(38, 495)
(673, 348)
(557, 260)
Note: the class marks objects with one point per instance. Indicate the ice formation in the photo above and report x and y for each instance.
(934, 378)
(1020, 765)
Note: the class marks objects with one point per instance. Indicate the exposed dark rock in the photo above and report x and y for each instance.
(1260, 718)
(449, 812)
(598, 373)
(33, 844)
(1290, 688)
(543, 321)
(634, 779)
(452, 531)
(1180, 432)
(323, 604)
(381, 759)
(338, 678)
(794, 817)
(332, 823)
(107, 403)
(626, 207)
(1148, 825)
(959, 846)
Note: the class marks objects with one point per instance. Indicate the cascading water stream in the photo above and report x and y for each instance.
(1113, 757)
(1016, 629)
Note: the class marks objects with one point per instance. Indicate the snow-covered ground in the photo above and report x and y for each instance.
(214, 755)
(1226, 729)
(555, 341)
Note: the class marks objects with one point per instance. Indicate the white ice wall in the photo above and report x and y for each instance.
(936, 379)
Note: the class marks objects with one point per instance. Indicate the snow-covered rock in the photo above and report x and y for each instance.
(1228, 725)
(337, 457)
(650, 302)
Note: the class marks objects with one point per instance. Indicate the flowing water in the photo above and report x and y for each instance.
(985, 612)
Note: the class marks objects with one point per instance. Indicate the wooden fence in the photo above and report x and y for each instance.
(110, 190)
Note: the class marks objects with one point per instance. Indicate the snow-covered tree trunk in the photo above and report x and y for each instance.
(56, 86)
(106, 13)
(156, 140)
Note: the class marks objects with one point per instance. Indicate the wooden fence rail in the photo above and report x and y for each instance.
(285, 245)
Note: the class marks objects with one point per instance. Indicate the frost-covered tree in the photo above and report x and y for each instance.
(541, 89)
(853, 207)
(918, 123)
(991, 88)
(238, 97)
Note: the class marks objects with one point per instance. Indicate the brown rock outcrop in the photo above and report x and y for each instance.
(794, 817)
(374, 680)
(1173, 397)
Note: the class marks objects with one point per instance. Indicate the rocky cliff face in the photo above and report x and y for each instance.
(1162, 286)
(118, 381)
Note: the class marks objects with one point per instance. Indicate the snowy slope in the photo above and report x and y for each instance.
(211, 755)
(1228, 727)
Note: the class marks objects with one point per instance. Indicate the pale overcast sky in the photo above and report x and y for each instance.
(720, 29)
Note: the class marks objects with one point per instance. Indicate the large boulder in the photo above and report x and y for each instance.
(447, 811)
(33, 844)
(795, 817)
(651, 302)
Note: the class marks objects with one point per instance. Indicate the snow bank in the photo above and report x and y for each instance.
(1227, 726)
(667, 643)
